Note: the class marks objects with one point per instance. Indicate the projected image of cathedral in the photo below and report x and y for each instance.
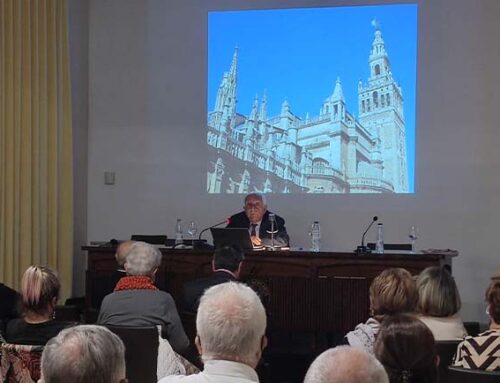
(332, 152)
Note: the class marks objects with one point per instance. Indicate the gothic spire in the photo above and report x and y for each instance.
(338, 93)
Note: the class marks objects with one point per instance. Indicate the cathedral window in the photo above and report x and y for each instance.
(363, 106)
(382, 100)
(375, 99)
(388, 99)
(368, 105)
(377, 70)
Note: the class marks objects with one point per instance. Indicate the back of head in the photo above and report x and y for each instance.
(231, 323)
(345, 364)
(437, 293)
(84, 354)
(406, 348)
(122, 251)
(39, 286)
(228, 257)
(142, 259)
(393, 291)
(493, 300)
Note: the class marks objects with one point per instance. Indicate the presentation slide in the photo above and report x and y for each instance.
(312, 100)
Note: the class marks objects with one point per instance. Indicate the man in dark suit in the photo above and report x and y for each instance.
(255, 218)
(226, 266)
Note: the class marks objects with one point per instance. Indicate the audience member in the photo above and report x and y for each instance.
(226, 266)
(84, 354)
(496, 275)
(482, 352)
(39, 293)
(136, 301)
(393, 291)
(255, 218)
(121, 252)
(406, 348)
(439, 304)
(230, 323)
(345, 364)
(9, 308)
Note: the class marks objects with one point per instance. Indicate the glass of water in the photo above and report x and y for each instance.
(192, 230)
(413, 234)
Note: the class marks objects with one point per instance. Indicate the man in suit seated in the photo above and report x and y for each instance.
(226, 266)
(255, 218)
(84, 354)
(230, 324)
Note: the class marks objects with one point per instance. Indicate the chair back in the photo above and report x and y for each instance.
(20, 363)
(446, 350)
(465, 375)
(141, 352)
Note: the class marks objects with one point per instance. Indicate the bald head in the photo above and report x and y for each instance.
(122, 251)
(346, 364)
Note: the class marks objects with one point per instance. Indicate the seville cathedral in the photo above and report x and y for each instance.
(333, 152)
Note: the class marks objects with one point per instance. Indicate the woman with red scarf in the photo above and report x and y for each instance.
(136, 301)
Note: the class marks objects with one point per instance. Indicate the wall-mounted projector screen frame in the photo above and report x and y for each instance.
(312, 100)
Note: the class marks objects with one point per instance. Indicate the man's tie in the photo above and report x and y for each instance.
(252, 232)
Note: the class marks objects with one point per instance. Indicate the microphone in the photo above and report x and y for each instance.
(226, 221)
(363, 249)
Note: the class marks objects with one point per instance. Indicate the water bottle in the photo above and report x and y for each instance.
(316, 236)
(379, 245)
(178, 232)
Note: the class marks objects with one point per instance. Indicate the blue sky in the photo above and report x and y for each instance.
(297, 54)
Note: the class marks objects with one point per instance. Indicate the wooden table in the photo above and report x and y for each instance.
(302, 291)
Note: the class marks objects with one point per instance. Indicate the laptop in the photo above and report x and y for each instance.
(231, 236)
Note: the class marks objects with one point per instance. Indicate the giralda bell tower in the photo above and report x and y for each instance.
(380, 104)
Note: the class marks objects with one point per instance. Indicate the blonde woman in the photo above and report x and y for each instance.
(392, 292)
(39, 293)
(439, 304)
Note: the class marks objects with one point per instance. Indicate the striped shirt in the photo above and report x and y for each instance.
(481, 352)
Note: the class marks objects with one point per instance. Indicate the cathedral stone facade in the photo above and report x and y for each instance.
(333, 152)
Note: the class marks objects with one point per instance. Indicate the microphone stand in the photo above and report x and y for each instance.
(364, 249)
(272, 219)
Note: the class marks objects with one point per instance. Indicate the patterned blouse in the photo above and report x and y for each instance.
(481, 352)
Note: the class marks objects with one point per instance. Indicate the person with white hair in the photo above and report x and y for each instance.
(230, 325)
(346, 364)
(84, 354)
(136, 301)
(257, 219)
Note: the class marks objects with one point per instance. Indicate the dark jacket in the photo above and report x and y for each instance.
(241, 220)
(193, 290)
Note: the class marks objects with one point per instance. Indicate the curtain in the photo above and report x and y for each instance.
(36, 180)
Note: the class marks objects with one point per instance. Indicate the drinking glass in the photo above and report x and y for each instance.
(413, 234)
(192, 229)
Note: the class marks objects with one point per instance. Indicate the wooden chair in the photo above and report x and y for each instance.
(20, 363)
(141, 352)
(446, 349)
(465, 375)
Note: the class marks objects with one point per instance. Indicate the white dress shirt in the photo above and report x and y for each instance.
(218, 371)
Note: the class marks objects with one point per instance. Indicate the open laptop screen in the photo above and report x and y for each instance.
(232, 236)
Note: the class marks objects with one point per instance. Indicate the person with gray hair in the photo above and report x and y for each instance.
(346, 364)
(257, 219)
(136, 301)
(84, 354)
(439, 304)
(230, 325)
